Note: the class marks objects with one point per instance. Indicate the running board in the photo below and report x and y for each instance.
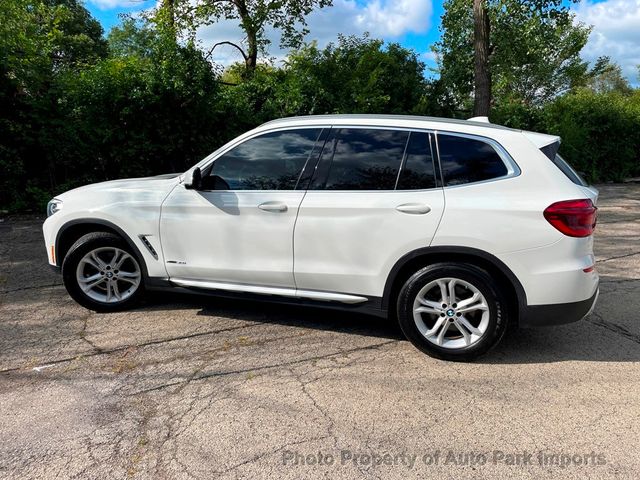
(280, 291)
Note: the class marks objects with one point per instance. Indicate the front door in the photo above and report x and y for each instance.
(238, 228)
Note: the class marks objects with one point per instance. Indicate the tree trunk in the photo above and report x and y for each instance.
(249, 27)
(252, 52)
(481, 73)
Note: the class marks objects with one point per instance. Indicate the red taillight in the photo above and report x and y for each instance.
(575, 218)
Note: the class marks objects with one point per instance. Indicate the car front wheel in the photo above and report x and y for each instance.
(452, 311)
(101, 273)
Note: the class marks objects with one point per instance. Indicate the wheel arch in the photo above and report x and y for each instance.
(73, 230)
(413, 261)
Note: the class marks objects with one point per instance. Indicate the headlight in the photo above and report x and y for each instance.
(53, 206)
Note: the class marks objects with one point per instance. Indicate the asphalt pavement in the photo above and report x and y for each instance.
(192, 387)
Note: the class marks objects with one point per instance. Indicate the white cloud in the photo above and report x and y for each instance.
(616, 32)
(111, 4)
(395, 17)
(386, 19)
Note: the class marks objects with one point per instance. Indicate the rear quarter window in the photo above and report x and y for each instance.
(565, 168)
(468, 160)
(551, 152)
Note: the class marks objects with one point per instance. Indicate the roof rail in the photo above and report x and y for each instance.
(355, 117)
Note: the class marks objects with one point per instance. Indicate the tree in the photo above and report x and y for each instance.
(254, 16)
(162, 114)
(606, 76)
(356, 75)
(132, 38)
(532, 54)
(40, 40)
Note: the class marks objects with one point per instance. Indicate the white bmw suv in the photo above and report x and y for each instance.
(457, 228)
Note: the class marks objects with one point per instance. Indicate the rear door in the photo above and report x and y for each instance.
(374, 197)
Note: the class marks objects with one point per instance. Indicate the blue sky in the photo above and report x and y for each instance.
(414, 24)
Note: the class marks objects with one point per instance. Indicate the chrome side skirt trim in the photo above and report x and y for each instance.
(281, 291)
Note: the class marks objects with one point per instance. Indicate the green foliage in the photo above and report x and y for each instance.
(151, 107)
(76, 109)
(356, 75)
(255, 15)
(600, 132)
(39, 41)
(159, 111)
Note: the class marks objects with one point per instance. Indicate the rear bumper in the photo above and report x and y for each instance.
(557, 314)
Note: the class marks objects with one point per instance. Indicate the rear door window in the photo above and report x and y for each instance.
(418, 169)
(361, 159)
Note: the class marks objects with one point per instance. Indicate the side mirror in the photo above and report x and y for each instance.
(193, 179)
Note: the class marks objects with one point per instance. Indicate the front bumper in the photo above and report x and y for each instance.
(557, 314)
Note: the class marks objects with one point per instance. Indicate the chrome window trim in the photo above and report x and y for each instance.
(513, 170)
(387, 127)
(212, 157)
(210, 160)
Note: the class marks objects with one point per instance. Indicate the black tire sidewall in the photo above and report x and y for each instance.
(78, 250)
(469, 273)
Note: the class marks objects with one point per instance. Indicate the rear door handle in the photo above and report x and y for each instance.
(414, 208)
(273, 207)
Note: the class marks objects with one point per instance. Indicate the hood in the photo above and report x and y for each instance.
(131, 188)
(159, 183)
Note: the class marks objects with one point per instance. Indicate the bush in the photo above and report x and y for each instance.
(600, 132)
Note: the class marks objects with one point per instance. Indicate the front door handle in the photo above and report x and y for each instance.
(273, 207)
(414, 208)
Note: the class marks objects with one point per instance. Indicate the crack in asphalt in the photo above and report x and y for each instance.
(614, 327)
(31, 287)
(192, 379)
(266, 454)
(617, 257)
(624, 280)
(120, 348)
(83, 335)
(330, 421)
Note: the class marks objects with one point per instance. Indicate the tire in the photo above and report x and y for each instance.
(465, 332)
(106, 288)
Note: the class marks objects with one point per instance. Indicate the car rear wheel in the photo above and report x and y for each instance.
(452, 311)
(101, 273)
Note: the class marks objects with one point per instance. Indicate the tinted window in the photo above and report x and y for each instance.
(571, 174)
(417, 171)
(363, 159)
(272, 161)
(466, 160)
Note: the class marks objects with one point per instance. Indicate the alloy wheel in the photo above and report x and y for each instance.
(451, 313)
(108, 275)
